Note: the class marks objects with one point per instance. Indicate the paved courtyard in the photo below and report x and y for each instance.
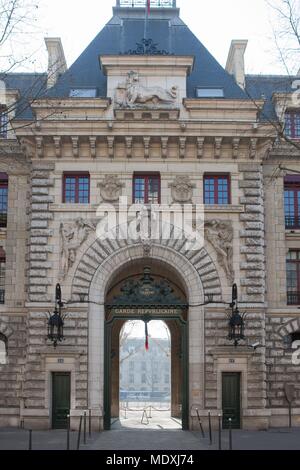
(150, 439)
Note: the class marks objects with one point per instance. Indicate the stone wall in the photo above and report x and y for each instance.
(14, 327)
(43, 359)
(216, 344)
(280, 369)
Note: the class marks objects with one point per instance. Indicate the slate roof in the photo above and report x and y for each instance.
(264, 86)
(31, 86)
(121, 34)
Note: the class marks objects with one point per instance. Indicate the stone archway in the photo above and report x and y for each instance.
(103, 259)
(288, 328)
(163, 292)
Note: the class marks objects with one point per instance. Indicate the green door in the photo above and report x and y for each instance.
(231, 399)
(60, 399)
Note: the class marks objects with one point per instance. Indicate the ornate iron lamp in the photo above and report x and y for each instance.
(56, 321)
(236, 320)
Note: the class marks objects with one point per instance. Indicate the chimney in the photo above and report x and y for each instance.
(235, 62)
(56, 60)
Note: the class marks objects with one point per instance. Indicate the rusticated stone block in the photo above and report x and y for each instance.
(37, 273)
(253, 241)
(249, 184)
(255, 258)
(41, 233)
(39, 207)
(38, 289)
(256, 201)
(251, 282)
(253, 175)
(251, 233)
(41, 249)
(39, 240)
(253, 192)
(252, 208)
(42, 199)
(252, 249)
(42, 216)
(40, 265)
(43, 191)
(42, 182)
(252, 217)
(39, 224)
(254, 226)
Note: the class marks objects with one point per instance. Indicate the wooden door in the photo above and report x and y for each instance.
(231, 399)
(61, 388)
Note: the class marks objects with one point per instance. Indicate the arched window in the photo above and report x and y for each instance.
(3, 349)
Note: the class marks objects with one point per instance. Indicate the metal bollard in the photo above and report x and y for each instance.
(125, 412)
(68, 432)
(150, 416)
(200, 423)
(79, 433)
(84, 428)
(209, 427)
(90, 423)
(30, 440)
(230, 433)
(220, 432)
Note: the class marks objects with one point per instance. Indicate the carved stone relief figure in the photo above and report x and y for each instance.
(182, 189)
(133, 94)
(111, 188)
(72, 236)
(220, 234)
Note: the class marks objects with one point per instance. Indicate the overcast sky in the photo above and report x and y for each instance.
(214, 22)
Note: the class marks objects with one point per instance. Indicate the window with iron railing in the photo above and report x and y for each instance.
(293, 277)
(3, 199)
(292, 124)
(292, 201)
(144, 3)
(2, 276)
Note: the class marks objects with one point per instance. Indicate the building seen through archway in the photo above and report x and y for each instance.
(145, 376)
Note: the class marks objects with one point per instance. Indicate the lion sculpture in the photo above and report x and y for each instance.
(136, 93)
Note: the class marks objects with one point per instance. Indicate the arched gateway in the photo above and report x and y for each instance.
(146, 297)
(105, 264)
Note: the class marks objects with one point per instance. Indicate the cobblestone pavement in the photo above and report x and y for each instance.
(150, 439)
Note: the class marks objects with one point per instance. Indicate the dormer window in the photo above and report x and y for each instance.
(83, 93)
(292, 124)
(202, 92)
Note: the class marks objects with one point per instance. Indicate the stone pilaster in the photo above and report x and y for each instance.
(252, 264)
(40, 233)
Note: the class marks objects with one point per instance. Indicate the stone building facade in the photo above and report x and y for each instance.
(156, 121)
